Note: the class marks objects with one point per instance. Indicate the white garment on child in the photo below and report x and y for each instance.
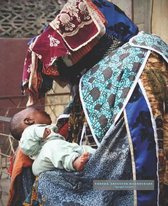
(51, 152)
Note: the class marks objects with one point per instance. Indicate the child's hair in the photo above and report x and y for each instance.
(25, 118)
(15, 126)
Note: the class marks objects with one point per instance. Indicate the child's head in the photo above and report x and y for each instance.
(25, 118)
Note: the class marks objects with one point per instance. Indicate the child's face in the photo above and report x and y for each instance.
(41, 117)
(27, 117)
(34, 116)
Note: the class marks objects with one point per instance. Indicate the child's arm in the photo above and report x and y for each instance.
(30, 142)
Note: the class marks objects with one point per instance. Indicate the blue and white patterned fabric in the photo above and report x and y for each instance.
(106, 88)
(111, 161)
(128, 148)
(144, 144)
(152, 42)
(118, 24)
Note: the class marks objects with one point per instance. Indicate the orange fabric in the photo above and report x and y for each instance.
(95, 9)
(21, 161)
(75, 56)
(11, 162)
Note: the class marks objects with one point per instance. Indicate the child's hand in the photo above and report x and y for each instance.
(79, 163)
(47, 132)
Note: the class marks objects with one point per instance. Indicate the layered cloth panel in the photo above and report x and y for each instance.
(74, 36)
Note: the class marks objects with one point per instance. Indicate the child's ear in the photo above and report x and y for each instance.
(28, 121)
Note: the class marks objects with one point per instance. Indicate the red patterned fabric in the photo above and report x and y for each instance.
(49, 46)
(70, 36)
(51, 71)
(75, 56)
(78, 24)
(64, 130)
(26, 68)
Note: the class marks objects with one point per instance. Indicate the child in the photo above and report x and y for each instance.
(40, 141)
(25, 118)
